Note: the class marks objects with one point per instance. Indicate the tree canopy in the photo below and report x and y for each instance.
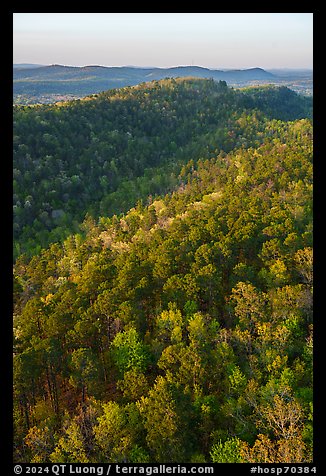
(181, 329)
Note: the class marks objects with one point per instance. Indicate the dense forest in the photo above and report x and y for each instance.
(101, 154)
(175, 323)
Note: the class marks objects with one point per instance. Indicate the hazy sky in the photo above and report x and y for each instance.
(214, 40)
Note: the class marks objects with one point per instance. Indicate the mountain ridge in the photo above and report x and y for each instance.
(54, 82)
(40, 71)
(132, 74)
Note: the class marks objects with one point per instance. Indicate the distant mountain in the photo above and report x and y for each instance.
(51, 83)
(118, 74)
(58, 72)
(26, 65)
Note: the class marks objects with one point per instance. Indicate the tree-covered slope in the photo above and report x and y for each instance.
(102, 154)
(182, 330)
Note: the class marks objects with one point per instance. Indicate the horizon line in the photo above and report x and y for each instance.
(220, 68)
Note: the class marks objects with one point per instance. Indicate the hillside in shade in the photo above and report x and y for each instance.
(102, 154)
(174, 323)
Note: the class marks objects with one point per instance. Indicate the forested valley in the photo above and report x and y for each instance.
(163, 276)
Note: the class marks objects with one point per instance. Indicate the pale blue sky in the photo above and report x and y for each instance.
(213, 40)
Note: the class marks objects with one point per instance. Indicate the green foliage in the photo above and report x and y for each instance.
(102, 154)
(226, 452)
(118, 433)
(188, 318)
(70, 447)
(167, 434)
(84, 369)
(129, 353)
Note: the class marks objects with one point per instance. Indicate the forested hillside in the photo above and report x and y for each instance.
(180, 330)
(101, 154)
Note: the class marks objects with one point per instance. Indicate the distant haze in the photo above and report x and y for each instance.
(212, 40)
